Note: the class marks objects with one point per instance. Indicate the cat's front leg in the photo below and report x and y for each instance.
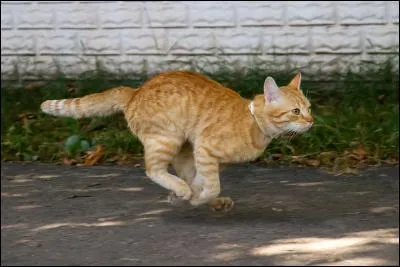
(206, 183)
(201, 196)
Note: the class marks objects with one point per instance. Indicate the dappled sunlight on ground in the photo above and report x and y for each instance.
(25, 207)
(227, 256)
(45, 177)
(325, 250)
(104, 175)
(382, 209)
(308, 245)
(227, 252)
(154, 212)
(131, 189)
(310, 184)
(357, 261)
(25, 178)
(106, 221)
(349, 249)
(74, 225)
(15, 226)
(21, 181)
(7, 194)
(85, 190)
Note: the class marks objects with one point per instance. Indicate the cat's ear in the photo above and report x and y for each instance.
(271, 90)
(296, 81)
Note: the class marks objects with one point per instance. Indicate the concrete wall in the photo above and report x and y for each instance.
(39, 36)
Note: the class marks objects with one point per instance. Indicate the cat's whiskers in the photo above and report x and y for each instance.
(293, 135)
(290, 134)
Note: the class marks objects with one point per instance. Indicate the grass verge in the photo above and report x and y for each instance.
(356, 114)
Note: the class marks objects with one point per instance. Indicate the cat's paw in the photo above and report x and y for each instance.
(221, 204)
(184, 192)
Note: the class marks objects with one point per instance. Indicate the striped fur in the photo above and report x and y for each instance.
(99, 104)
(197, 125)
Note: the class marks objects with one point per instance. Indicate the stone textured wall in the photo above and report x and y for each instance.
(42, 36)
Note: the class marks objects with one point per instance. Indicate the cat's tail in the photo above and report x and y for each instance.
(99, 104)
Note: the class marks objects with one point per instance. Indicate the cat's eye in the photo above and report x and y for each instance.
(296, 111)
(309, 110)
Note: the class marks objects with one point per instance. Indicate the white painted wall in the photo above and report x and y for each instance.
(38, 36)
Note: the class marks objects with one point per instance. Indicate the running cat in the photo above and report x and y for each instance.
(197, 125)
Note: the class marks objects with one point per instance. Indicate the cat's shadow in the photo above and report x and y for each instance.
(241, 213)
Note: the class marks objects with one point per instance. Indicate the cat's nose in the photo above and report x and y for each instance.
(310, 120)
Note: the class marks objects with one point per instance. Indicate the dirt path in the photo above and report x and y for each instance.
(112, 215)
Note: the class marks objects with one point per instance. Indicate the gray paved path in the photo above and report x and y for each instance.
(113, 215)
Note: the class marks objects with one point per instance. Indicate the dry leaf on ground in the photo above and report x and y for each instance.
(348, 170)
(68, 161)
(24, 117)
(92, 157)
(327, 157)
(360, 153)
(298, 159)
(313, 162)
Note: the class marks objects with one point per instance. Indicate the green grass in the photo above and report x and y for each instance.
(352, 110)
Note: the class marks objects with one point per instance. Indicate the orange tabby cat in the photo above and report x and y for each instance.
(197, 125)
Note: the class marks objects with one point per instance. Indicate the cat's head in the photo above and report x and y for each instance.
(285, 109)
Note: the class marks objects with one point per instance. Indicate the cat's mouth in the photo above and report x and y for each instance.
(305, 129)
(290, 134)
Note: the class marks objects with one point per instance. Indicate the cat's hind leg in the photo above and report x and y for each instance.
(184, 165)
(159, 152)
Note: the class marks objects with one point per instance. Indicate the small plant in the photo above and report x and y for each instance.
(76, 145)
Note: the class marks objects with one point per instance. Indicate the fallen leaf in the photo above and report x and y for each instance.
(298, 159)
(313, 162)
(24, 117)
(92, 157)
(360, 153)
(391, 161)
(349, 170)
(340, 164)
(327, 157)
(70, 162)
